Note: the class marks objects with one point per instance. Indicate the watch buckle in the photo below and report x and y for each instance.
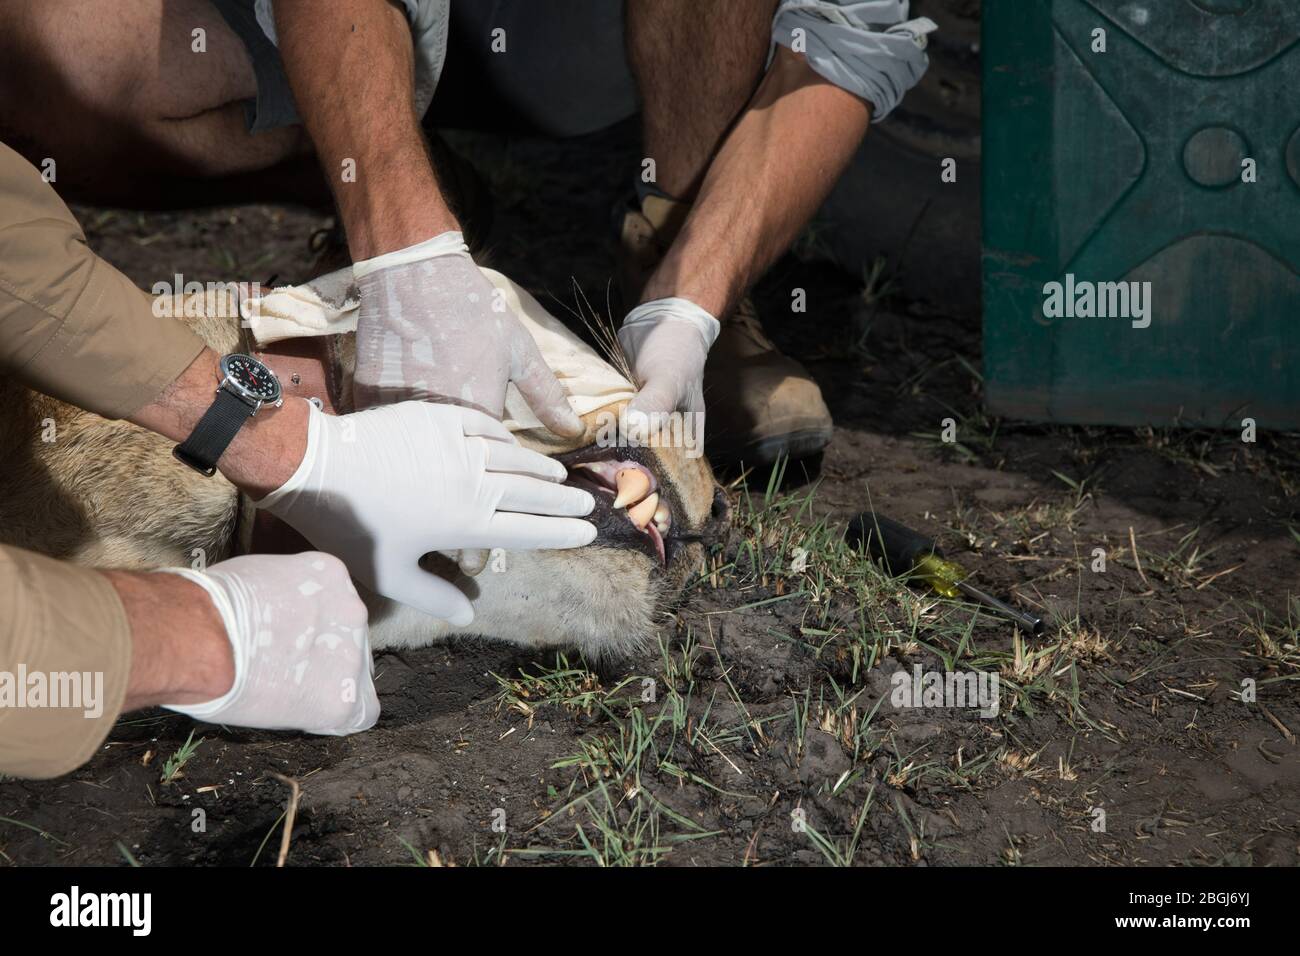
(185, 459)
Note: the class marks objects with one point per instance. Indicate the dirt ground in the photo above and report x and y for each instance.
(1123, 736)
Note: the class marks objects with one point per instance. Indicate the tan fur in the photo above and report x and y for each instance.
(108, 494)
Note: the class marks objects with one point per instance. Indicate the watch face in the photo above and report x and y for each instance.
(251, 377)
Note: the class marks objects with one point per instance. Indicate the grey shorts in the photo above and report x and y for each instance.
(565, 72)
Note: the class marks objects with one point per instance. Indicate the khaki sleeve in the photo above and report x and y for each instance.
(65, 659)
(71, 325)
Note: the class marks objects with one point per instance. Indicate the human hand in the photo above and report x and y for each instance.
(300, 640)
(667, 341)
(433, 327)
(382, 487)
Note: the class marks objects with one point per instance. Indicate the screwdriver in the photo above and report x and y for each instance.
(906, 552)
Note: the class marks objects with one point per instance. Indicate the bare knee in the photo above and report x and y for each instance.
(127, 59)
(157, 84)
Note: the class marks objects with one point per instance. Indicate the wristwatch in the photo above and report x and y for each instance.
(246, 385)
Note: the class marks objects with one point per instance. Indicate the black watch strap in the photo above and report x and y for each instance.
(214, 433)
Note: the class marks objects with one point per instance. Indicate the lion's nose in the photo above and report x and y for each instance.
(715, 529)
(721, 510)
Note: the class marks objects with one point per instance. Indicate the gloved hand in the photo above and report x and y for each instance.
(432, 327)
(667, 341)
(301, 645)
(382, 487)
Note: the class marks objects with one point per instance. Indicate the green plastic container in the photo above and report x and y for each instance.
(1127, 166)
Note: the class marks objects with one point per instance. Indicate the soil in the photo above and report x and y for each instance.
(1143, 720)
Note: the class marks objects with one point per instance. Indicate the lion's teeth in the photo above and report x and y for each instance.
(633, 485)
(595, 467)
(663, 518)
(641, 514)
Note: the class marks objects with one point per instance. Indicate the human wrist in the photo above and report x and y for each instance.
(216, 694)
(675, 309)
(390, 219)
(449, 243)
(283, 493)
(266, 450)
(674, 279)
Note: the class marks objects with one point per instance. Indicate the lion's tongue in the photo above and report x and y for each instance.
(658, 539)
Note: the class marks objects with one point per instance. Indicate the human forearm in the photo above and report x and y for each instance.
(350, 64)
(118, 640)
(179, 650)
(265, 452)
(774, 169)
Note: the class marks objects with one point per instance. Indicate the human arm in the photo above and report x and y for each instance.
(75, 328)
(100, 643)
(351, 66)
(430, 326)
(847, 63)
(773, 170)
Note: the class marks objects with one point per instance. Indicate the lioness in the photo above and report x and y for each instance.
(109, 494)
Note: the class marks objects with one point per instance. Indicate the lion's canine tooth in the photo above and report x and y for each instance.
(663, 518)
(641, 514)
(633, 485)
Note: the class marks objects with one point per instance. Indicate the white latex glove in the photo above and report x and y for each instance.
(382, 487)
(301, 644)
(433, 327)
(667, 341)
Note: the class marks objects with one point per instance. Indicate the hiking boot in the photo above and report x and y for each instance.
(762, 404)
